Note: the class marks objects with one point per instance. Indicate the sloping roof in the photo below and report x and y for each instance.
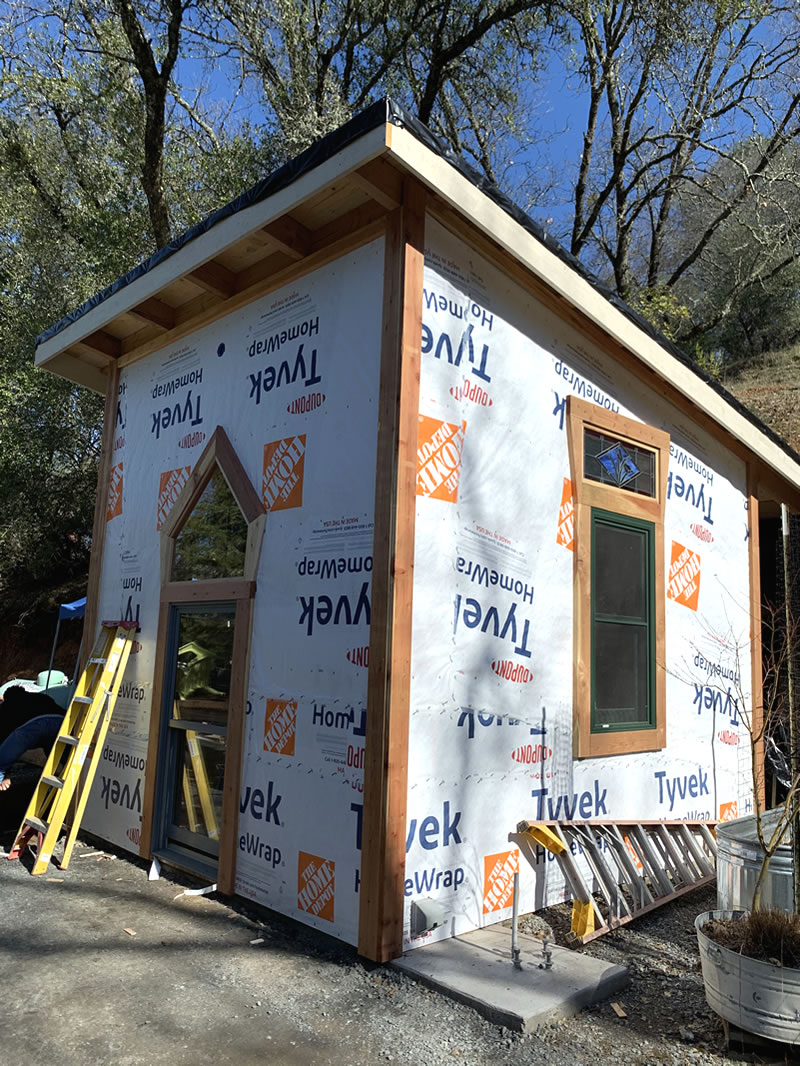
(298, 215)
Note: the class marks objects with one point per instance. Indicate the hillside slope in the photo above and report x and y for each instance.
(771, 390)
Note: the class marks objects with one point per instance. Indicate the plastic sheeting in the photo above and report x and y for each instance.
(492, 651)
(293, 380)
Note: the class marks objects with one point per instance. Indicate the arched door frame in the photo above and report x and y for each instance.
(218, 454)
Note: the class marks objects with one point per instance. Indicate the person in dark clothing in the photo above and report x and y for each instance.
(27, 720)
(19, 705)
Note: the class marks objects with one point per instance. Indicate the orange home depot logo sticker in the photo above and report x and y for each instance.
(439, 447)
(566, 517)
(637, 862)
(114, 504)
(315, 885)
(280, 726)
(684, 576)
(169, 488)
(282, 486)
(498, 880)
(728, 811)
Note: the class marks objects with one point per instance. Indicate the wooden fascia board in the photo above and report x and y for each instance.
(517, 242)
(215, 241)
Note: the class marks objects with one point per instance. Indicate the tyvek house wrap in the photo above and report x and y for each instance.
(492, 646)
(314, 394)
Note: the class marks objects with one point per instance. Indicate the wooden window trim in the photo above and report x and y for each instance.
(219, 454)
(587, 495)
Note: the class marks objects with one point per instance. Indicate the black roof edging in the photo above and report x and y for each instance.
(388, 110)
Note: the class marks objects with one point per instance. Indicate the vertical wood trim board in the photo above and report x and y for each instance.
(380, 935)
(226, 872)
(151, 766)
(756, 661)
(91, 622)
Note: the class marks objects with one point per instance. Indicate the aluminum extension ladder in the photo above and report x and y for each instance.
(637, 866)
(73, 760)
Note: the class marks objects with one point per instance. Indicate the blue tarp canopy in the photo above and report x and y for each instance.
(72, 610)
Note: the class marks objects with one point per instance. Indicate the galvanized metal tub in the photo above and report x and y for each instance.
(739, 857)
(759, 997)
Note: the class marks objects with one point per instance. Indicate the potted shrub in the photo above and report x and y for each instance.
(751, 958)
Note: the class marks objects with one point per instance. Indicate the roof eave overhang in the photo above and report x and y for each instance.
(52, 353)
(488, 217)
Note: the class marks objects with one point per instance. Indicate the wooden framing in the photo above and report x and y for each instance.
(587, 494)
(91, 620)
(383, 188)
(218, 454)
(380, 934)
(756, 648)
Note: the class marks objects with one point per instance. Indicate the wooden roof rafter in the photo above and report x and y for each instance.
(231, 263)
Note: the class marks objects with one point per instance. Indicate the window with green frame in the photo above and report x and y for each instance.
(623, 622)
(619, 483)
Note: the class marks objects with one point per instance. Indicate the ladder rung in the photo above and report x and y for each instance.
(81, 699)
(36, 823)
(65, 738)
(54, 782)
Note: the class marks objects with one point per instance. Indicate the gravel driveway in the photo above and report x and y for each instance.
(104, 967)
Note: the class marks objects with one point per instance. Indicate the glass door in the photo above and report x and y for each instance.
(195, 718)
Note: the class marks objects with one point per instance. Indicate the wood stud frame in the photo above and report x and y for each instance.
(386, 761)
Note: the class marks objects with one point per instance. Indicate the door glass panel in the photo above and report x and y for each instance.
(212, 542)
(200, 770)
(198, 725)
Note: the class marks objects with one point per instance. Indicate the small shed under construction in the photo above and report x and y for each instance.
(425, 535)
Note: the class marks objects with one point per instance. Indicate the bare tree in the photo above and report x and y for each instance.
(673, 91)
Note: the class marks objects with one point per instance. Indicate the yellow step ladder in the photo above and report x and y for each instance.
(636, 866)
(72, 763)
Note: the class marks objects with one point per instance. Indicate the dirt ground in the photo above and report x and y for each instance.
(102, 966)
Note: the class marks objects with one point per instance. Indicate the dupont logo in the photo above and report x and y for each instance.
(303, 405)
(728, 811)
(566, 517)
(684, 576)
(282, 486)
(136, 647)
(133, 834)
(315, 885)
(114, 504)
(169, 489)
(530, 754)
(702, 532)
(280, 726)
(439, 447)
(191, 440)
(472, 392)
(511, 671)
(498, 880)
(727, 736)
(359, 656)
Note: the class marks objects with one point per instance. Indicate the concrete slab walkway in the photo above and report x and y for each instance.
(476, 969)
